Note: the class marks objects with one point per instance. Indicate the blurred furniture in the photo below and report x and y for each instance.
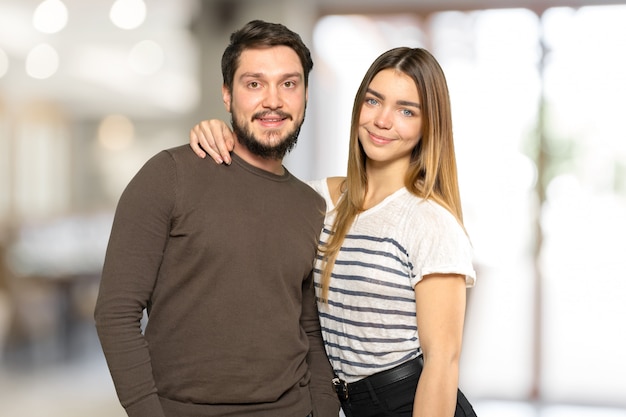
(51, 275)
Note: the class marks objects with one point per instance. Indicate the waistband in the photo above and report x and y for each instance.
(381, 379)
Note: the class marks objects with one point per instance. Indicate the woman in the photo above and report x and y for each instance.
(394, 259)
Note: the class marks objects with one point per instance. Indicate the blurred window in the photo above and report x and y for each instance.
(42, 160)
(541, 148)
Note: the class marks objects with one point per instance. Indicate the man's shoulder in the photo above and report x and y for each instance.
(306, 187)
(185, 158)
(181, 151)
(180, 162)
(172, 153)
(309, 198)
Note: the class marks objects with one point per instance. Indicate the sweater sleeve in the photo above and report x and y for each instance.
(134, 253)
(323, 396)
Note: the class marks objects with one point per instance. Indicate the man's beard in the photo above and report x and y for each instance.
(278, 151)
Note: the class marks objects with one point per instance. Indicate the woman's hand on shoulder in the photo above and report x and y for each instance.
(212, 137)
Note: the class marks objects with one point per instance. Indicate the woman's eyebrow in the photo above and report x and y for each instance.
(400, 102)
(409, 103)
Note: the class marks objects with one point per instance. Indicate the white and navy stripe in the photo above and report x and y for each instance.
(369, 323)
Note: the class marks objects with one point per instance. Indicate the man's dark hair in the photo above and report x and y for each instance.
(258, 33)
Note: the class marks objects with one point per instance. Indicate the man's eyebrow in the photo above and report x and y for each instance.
(293, 75)
(400, 102)
(261, 75)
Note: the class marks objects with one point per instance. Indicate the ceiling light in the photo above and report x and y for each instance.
(128, 14)
(116, 132)
(50, 16)
(42, 61)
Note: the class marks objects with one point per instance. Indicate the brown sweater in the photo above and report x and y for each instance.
(221, 258)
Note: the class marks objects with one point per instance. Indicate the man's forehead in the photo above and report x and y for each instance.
(275, 60)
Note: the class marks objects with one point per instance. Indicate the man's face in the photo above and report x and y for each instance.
(268, 100)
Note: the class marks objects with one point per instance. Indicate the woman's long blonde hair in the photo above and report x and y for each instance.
(432, 172)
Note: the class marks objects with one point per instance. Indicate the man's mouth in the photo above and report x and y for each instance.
(271, 119)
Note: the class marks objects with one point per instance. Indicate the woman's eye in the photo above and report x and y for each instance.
(371, 101)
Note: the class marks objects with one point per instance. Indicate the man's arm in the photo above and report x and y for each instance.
(324, 398)
(134, 253)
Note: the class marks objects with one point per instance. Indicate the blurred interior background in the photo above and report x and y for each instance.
(90, 90)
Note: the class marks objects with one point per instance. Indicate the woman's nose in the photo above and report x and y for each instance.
(383, 119)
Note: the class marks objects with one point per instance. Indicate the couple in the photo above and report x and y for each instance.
(235, 298)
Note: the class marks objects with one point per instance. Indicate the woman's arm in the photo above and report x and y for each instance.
(440, 300)
(212, 137)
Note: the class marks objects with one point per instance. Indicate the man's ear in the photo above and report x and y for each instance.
(226, 97)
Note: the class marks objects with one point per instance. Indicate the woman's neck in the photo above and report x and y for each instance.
(382, 182)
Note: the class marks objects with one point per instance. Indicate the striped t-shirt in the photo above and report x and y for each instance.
(369, 324)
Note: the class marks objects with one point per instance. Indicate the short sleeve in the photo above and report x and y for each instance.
(440, 245)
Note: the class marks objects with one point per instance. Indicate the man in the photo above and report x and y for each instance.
(222, 257)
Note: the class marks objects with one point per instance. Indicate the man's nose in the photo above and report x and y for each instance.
(272, 99)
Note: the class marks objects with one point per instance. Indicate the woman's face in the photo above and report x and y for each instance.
(390, 123)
